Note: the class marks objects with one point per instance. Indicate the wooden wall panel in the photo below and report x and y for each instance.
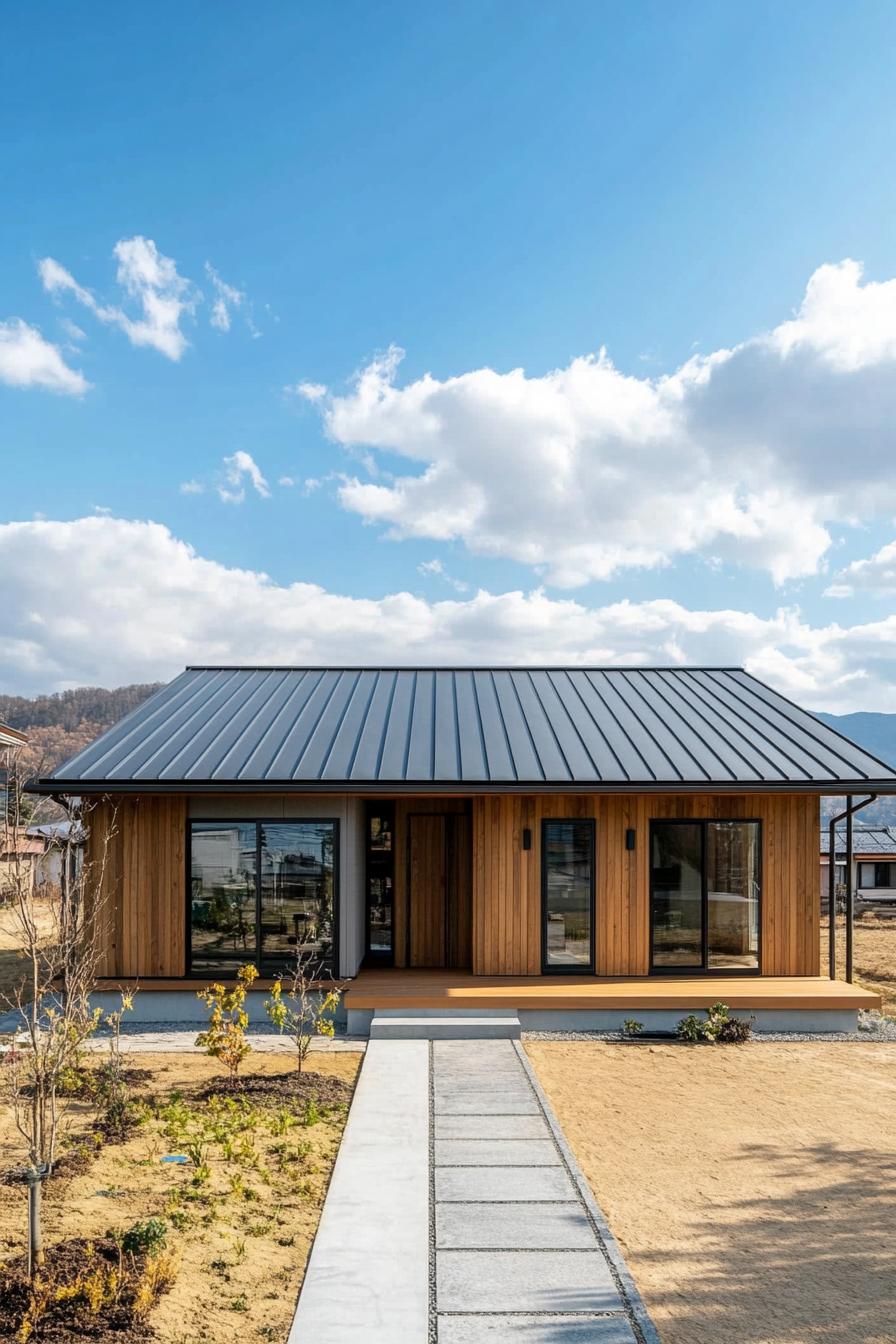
(507, 878)
(137, 858)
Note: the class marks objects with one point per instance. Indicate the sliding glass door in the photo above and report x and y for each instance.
(567, 895)
(704, 895)
(262, 891)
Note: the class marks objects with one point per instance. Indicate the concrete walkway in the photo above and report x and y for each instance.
(457, 1214)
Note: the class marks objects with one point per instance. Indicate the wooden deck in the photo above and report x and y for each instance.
(461, 989)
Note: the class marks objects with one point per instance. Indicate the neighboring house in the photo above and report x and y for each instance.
(574, 846)
(20, 858)
(63, 844)
(10, 741)
(873, 868)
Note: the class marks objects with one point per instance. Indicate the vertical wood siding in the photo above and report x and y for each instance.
(507, 878)
(136, 854)
(145, 895)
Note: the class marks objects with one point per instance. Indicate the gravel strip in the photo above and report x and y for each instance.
(872, 1027)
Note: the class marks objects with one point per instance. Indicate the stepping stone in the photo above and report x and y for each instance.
(491, 1127)
(496, 1153)
(524, 1281)
(469, 1185)
(513, 1227)
(484, 1103)
(534, 1330)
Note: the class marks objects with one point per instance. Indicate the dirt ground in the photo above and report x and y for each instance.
(751, 1187)
(874, 953)
(12, 967)
(241, 1256)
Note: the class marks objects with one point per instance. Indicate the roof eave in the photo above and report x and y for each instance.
(84, 787)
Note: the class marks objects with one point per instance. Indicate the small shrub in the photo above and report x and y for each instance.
(225, 1037)
(690, 1029)
(632, 1028)
(145, 1238)
(736, 1030)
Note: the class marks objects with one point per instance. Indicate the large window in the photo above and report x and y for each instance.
(260, 891)
(567, 895)
(704, 895)
(877, 875)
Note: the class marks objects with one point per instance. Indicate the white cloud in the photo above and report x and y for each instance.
(192, 488)
(225, 298)
(239, 469)
(313, 392)
(105, 601)
(429, 568)
(150, 280)
(747, 454)
(876, 574)
(27, 359)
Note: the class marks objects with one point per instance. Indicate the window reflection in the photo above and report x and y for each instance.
(262, 891)
(568, 882)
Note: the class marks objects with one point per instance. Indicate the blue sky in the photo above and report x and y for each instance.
(487, 186)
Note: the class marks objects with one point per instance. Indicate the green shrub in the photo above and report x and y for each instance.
(145, 1238)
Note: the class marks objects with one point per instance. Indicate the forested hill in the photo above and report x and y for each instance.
(58, 726)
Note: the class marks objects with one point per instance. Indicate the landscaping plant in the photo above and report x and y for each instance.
(225, 1036)
(60, 945)
(302, 1011)
(631, 1027)
(718, 1025)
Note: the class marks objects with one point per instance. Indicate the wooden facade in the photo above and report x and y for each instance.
(467, 894)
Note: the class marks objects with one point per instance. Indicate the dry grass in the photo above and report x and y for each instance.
(751, 1187)
(12, 965)
(874, 956)
(241, 1239)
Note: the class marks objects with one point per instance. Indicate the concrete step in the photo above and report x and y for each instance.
(420, 1024)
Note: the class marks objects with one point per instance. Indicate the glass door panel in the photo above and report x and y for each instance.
(567, 894)
(676, 871)
(222, 895)
(732, 893)
(297, 886)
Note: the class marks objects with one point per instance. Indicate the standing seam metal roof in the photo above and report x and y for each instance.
(483, 727)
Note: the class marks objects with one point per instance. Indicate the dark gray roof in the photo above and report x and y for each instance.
(865, 840)
(227, 727)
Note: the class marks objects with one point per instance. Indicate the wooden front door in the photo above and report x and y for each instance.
(439, 888)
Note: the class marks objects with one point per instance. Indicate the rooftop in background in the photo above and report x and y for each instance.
(327, 728)
(875, 840)
(11, 737)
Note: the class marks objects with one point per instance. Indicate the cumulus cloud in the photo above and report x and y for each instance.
(749, 454)
(150, 281)
(102, 600)
(226, 300)
(876, 574)
(27, 359)
(239, 470)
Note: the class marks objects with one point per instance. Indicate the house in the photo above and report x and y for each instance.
(557, 847)
(873, 868)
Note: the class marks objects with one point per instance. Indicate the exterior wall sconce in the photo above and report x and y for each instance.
(527, 838)
(630, 837)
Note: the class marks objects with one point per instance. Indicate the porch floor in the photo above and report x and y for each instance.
(393, 988)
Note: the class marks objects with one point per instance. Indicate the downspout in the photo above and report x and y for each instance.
(848, 814)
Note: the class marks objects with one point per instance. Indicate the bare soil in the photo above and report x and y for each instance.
(751, 1187)
(242, 1238)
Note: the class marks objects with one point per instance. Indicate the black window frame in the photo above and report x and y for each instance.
(875, 864)
(551, 968)
(704, 969)
(264, 968)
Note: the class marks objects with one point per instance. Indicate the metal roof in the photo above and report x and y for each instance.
(475, 728)
(865, 840)
(11, 737)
